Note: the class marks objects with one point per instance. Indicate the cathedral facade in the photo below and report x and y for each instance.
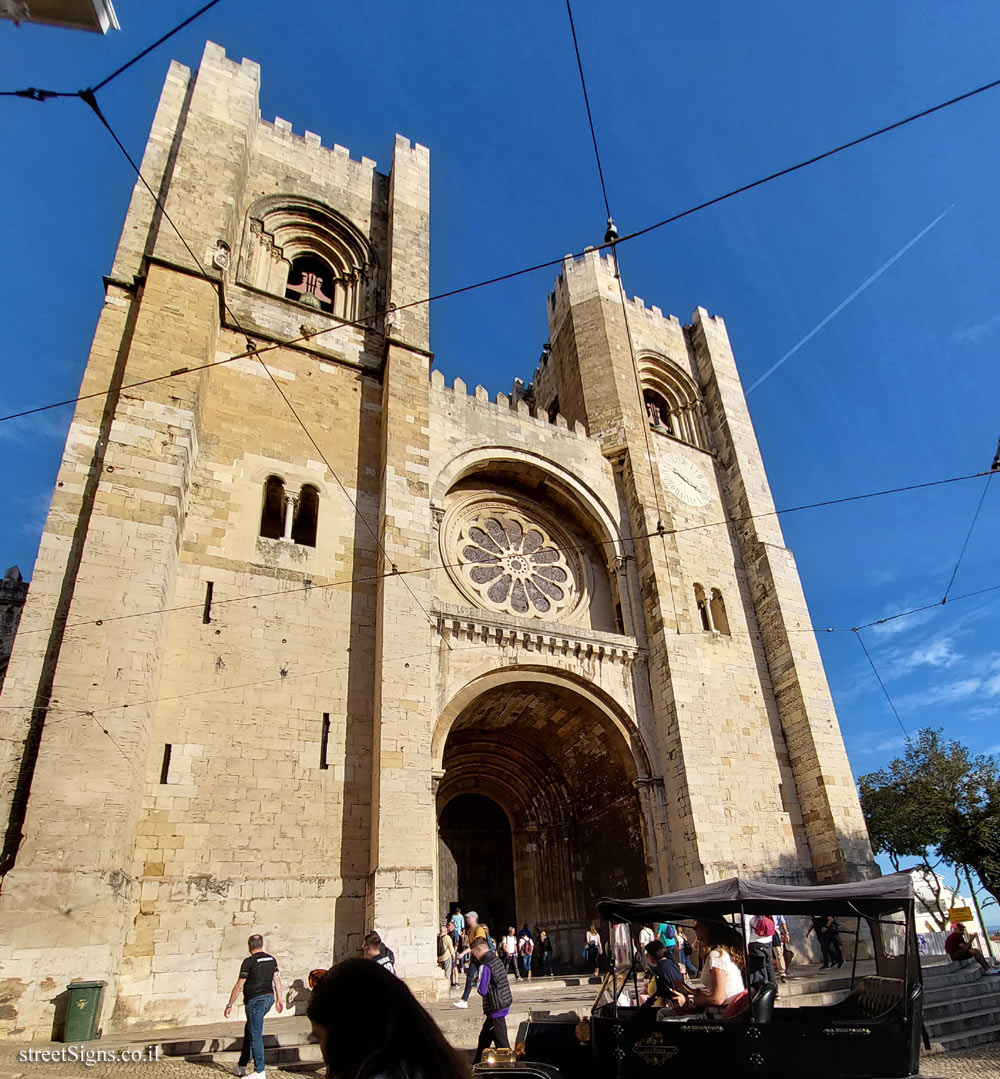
(317, 642)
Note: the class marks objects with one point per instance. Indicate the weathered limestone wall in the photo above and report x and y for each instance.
(816, 755)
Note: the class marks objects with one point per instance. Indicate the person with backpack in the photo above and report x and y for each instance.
(376, 949)
(759, 949)
(527, 947)
(475, 933)
(446, 955)
(509, 948)
(494, 988)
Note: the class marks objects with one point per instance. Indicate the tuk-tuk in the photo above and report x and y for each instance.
(873, 1033)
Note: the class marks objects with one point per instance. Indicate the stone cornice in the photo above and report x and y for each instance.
(534, 635)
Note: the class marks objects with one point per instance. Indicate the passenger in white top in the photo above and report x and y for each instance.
(722, 971)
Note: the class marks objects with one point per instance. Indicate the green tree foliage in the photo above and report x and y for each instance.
(937, 798)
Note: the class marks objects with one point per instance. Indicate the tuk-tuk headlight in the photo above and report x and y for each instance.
(499, 1056)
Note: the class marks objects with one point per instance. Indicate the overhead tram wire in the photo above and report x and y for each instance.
(34, 94)
(370, 577)
(975, 517)
(611, 240)
(548, 264)
(586, 101)
(252, 350)
(878, 677)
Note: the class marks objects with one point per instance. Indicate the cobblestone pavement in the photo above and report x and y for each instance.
(164, 1068)
(975, 1063)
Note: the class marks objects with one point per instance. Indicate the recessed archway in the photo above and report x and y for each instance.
(564, 775)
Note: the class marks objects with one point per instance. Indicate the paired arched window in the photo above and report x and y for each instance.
(712, 611)
(298, 248)
(289, 517)
(670, 399)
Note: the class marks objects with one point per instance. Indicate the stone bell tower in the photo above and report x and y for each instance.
(741, 708)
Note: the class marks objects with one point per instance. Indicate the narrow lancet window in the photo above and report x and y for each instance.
(719, 617)
(702, 604)
(306, 518)
(272, 516)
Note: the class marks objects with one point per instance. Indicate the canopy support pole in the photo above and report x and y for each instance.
(857, 938)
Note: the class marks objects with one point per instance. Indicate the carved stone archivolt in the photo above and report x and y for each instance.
(510, 557)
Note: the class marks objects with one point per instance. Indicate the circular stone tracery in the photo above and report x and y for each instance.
(512, 562)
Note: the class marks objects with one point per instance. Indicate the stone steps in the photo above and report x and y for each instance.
(961, 1009)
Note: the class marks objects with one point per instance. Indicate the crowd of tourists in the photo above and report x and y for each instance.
(517, 948)
(711, 969)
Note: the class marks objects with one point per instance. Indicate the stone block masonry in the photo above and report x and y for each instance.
(296, 675)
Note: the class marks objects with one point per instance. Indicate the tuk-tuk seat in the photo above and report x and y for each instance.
(762, 1003)
(871, 997)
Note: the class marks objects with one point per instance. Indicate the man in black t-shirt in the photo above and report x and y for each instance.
(260, 983)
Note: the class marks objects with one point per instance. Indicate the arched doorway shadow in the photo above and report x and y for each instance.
(563, 774)
(476, 858)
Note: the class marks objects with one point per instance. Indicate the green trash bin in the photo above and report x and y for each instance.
(83, 1010)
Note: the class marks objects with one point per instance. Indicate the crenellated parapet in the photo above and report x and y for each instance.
(516, 406)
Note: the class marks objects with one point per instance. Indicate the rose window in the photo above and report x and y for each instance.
(514, 565)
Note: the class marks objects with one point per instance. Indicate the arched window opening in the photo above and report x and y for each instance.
(718, 610)
(310, 281)
(671, 399)
(306, 517)
(657, 412)
(702, 604)
(272, 516)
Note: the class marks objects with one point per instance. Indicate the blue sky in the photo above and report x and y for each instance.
(689, 100)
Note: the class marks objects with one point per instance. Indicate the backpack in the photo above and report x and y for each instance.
(527, 946)
(763, 926)
(441, 947)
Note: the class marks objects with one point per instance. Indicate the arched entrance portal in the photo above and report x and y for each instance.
(561, 773)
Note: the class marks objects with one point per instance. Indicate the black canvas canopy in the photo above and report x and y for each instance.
(867, 897)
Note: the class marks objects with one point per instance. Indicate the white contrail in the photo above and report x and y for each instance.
(853, 296)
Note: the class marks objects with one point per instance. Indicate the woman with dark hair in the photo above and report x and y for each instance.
(370, 1026)
(722, 968)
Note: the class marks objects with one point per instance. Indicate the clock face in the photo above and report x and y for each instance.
(684, 479)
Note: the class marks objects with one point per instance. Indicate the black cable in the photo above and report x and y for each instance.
(629, 540)
(551, 262)
(899, 614)
(34, 94)
(968, 535)
(586, 101)
(813, 160)
(864, 647)
(156, 44)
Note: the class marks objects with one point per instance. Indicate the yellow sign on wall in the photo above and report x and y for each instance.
(960, 914)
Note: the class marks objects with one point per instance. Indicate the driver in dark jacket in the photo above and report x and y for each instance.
(494, 988)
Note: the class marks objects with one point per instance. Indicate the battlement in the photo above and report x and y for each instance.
(516, 405)
(309, 139)
(597, 270)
